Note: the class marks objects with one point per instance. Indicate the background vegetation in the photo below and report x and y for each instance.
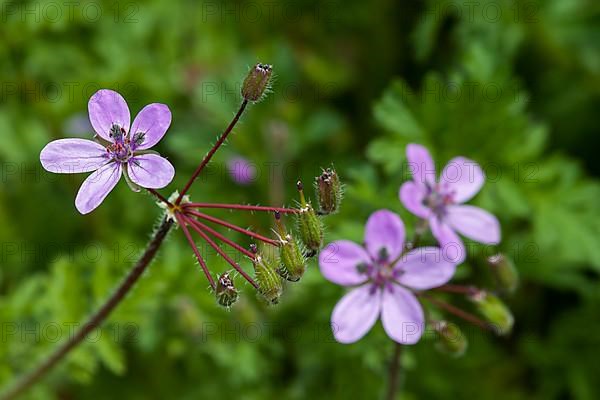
(512, 84)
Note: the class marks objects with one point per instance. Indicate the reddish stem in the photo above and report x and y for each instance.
(212, 151)
(160, 197)
(457, 311)
(241, 207)
(468, 290)
(221, 252)
(199, 225)
(234, 227)
(186, 232)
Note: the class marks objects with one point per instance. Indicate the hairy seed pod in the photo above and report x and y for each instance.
(494, 311)
(257, 82)
(226, 292)
(329, 191)
(505, 272)
(309, 225)
(293, 263)
(451, 340)
(269, 282)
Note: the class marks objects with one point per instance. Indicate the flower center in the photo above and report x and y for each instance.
(438, 199)
(120, 150)
(380, 271)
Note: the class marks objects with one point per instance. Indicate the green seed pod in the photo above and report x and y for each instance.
(293, 263)
(269, 282)
(494, 311)
(257, 82)
(226, 292)
(329, 191)
(503, 268)
(309, 225)
(450, 340)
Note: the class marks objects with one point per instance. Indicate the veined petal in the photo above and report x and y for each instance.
(420, 164)
(150, 171)
(152, 124)
(107, 107)
(475, 223)
(339, 263)
(355, 314)
(412, 195)
(463, 178)
(69, 156)
(453, 248)
(96, 187)
(384, 229)
(424, 268)
(402, 315)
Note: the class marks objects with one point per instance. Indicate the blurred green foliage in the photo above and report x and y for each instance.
(512, 84)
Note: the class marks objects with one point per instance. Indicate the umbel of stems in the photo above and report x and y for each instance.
(270, 267)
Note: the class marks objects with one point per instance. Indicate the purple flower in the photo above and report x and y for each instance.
(122, 149)
(440, 202)
(387, 280)
(242, 171)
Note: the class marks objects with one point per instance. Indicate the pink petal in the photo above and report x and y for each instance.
(384, 229)
(425, 268)
(402, 315)
(150, 171)
(339, 263)
(68, 156)
(462, 177)
(355, 314)
(420, 163)
(153, 121)
(451, 245)
(475, 223)
(96, 187)
(107, 107)
(412, 195)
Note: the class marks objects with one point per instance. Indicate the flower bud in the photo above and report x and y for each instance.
(494, 311)
(226, 292)
(329, 191)
(257, 82)
(451, 340)
(309, 225)
(505, 272)
(269, 281)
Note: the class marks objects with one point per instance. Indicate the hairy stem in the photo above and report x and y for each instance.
(182, 223)
(215, 246)
(241, 207)
(195, 224)
(234, 227)
(212, 151)
(96, 319)
(160, 197)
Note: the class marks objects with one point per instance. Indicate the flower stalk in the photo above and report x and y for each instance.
(212, 151)
(96, 319)
(242, 207)
(218, 249)
(233, 227)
